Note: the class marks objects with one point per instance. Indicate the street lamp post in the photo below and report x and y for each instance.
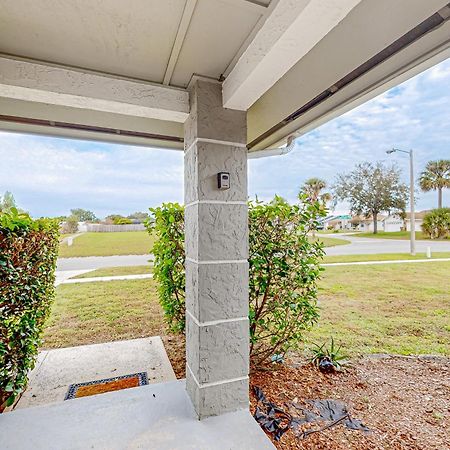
(411, 197)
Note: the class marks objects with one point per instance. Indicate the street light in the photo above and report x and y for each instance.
(411, 197)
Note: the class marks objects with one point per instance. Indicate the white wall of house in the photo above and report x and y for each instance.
(418, 223)
(392, 223)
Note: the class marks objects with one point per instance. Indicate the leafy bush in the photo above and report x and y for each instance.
(167, 224)
(436, 224)
(28, 252)
(283, 271)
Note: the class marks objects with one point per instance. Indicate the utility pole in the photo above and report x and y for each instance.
(412, 215)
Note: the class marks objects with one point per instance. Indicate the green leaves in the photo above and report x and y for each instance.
(28, 252)
(167, 224)
(436, 224)
(283, 270)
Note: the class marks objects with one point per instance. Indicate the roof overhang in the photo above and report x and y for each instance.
(292, 64)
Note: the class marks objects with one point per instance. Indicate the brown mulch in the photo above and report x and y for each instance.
(175, 348)
(404, 402)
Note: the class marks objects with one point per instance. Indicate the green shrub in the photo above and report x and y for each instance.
(28, 252)
(122, 221)
(436, 224)
(283, 271)
(167, 224)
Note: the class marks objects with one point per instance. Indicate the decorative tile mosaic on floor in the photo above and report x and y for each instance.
(106, 385)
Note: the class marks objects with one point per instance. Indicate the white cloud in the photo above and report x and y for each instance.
(51, 176)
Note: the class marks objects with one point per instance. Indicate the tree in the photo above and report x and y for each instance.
(371, 189)
(313, 188)
(83, 215)
(141, 216)
(436, 176)
(7, 202)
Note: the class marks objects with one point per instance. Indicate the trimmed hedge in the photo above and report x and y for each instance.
(28, 253)
(284, 267)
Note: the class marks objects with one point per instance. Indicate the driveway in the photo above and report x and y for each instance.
(366, 246)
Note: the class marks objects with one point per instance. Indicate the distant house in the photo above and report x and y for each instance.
(388, 224)
(361, 223)
(336, 222)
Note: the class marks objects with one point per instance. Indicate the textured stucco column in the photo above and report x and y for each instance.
(217, 336)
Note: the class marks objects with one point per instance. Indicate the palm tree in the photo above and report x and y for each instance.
(313, 188)
(436, 176)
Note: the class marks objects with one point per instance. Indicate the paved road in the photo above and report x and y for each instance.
(97, 262)
(366, 246)
(358, 246)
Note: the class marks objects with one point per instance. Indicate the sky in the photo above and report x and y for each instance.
(50, 176)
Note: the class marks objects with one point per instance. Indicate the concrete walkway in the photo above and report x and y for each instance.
(111, 278)
(62, 275)
(57, 369)
(154, 417)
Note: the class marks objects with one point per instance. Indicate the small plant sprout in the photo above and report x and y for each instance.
(327, 359)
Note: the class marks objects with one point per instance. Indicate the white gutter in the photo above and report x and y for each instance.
(290, 144)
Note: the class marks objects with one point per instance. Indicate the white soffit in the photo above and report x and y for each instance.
(293, 28)
(216, 31)
(128, 38)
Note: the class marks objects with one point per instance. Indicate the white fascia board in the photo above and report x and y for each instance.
(45, 83)
(293, 28)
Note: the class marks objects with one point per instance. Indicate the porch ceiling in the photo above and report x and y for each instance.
(118, 71)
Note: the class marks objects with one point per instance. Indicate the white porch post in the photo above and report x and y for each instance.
(217, 335)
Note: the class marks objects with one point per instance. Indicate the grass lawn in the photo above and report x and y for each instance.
(382, 257)
(113, 271)
(331, 242)
(108, 244)
(91, 313)
(404, 235)
(402, 309)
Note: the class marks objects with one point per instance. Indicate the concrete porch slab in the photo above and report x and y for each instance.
(57, 369)
(157, 416)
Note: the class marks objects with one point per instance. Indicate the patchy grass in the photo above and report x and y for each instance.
(113, 271)
(382, 257)
(92, 313)
(400, 309)
(108, 244)
(403, 235)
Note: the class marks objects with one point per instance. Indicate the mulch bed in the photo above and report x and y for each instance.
(404, 401)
